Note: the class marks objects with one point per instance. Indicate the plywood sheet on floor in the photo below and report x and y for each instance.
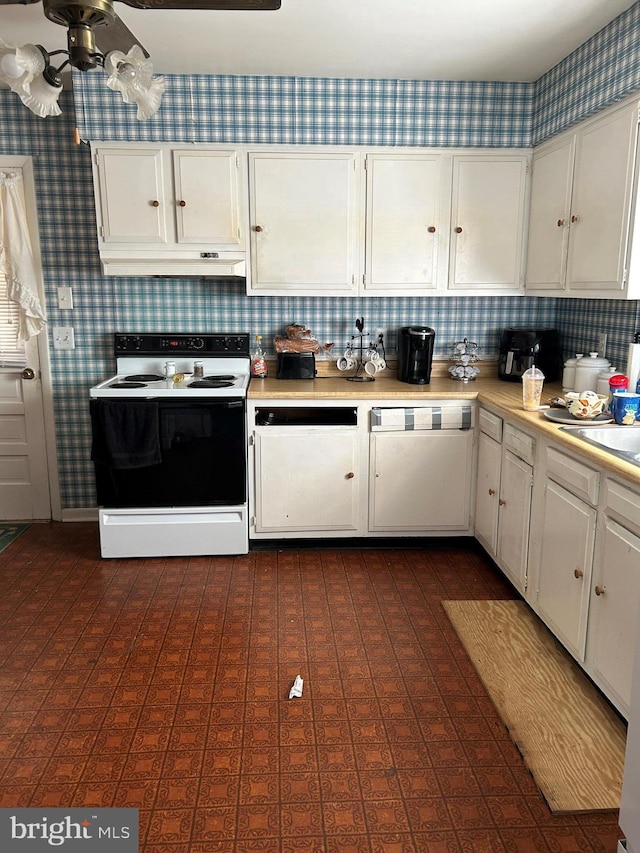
(571, 739)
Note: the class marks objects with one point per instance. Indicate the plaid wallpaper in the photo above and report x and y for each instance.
(288, 110)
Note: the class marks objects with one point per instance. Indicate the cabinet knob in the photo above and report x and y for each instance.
(578, 573)
(431, 229)
(560, 223)
(182, 203)
(502, 502)
(600, 590)
(492, 491)
(350, 475)
(575, 218)
(155, 203)
(458, 230)
(258, 228)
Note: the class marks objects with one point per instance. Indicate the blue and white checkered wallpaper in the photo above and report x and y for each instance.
(287, 110)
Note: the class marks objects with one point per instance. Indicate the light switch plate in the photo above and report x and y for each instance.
(63, 337)
(65, 298)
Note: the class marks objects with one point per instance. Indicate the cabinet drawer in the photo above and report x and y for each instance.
(623, 505)
(579, 479)
(519, 443)
(490, 424)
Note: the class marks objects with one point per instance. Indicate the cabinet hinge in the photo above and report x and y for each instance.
(102, 231)
(252, 440)
(353, 279)
(364, 278)
(237, 162)
(97, 158)
(239, 233)
(528, 167)
(625, 273)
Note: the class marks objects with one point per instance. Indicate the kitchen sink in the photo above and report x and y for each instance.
(621, 441)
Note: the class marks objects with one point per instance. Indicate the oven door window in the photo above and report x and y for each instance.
(203, 459)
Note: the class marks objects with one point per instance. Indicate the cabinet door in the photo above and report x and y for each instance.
(420, 480)
(567, 540)
(306, 479)
(516, 482)
(549, 215)
(135, 201)
(403, 222)
(614, 610)
(206, 197)
(600, 208)
(487, 490)
(303, 217)
(487, 222)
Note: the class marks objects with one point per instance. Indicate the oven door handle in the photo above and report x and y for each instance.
(190, 403)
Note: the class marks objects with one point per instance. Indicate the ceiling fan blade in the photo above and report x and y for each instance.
(116, 36)
(203, 5)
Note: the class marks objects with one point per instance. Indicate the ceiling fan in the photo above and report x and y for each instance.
(29, 72)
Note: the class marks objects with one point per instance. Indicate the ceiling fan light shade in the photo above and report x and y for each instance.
(22, 69)
(131, 74)
(42, 99)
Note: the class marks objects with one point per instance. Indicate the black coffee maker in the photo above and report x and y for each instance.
(415, 354)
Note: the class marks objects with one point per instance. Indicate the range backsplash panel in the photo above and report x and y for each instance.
(259, 109)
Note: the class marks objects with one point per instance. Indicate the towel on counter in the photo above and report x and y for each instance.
(126, 434)
(426, 417)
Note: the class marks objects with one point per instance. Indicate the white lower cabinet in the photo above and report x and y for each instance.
(420, 481)
(503, 495)
(614, 606)
(323, 470)
(567, 540)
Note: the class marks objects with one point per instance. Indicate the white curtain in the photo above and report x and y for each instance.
(16, 257)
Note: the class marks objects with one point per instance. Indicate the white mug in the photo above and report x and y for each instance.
(345, 363)
(373, 367)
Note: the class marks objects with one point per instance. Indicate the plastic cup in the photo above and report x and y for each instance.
(532, 382)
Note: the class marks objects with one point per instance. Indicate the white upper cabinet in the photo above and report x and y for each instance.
(581, 209)
(319, 226)
(405, 233)
(167, 209)
(487, 222)
(304, 222)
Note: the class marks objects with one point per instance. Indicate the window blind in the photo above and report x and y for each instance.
(12, 351)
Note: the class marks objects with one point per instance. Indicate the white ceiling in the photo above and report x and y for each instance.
(513, 40)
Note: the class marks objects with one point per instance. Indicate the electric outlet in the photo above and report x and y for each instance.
(602, 344)
(63, 337)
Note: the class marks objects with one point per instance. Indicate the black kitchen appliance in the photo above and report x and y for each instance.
(296, 365)
(415, 354)
(522, 347)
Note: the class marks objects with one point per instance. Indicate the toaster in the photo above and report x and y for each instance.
(296, 365)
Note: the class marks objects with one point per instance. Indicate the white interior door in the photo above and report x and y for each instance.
(24, 478)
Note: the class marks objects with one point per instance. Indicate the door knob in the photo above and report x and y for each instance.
(155, 203)
(578, 573)
(182, 203)
(28, 373)
(431, 229)
(600, 590)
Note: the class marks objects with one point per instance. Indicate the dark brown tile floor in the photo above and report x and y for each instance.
(163, 684)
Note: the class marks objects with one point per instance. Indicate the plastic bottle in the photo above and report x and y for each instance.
(258, 361)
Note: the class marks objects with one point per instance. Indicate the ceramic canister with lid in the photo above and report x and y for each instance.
(603, 380)
(587, 369)
(569, 373)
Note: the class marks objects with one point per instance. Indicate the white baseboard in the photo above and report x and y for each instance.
(81, 514)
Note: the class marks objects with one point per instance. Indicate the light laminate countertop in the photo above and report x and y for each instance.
(503, 398)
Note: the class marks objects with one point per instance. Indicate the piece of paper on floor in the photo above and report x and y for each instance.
(296, 689)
